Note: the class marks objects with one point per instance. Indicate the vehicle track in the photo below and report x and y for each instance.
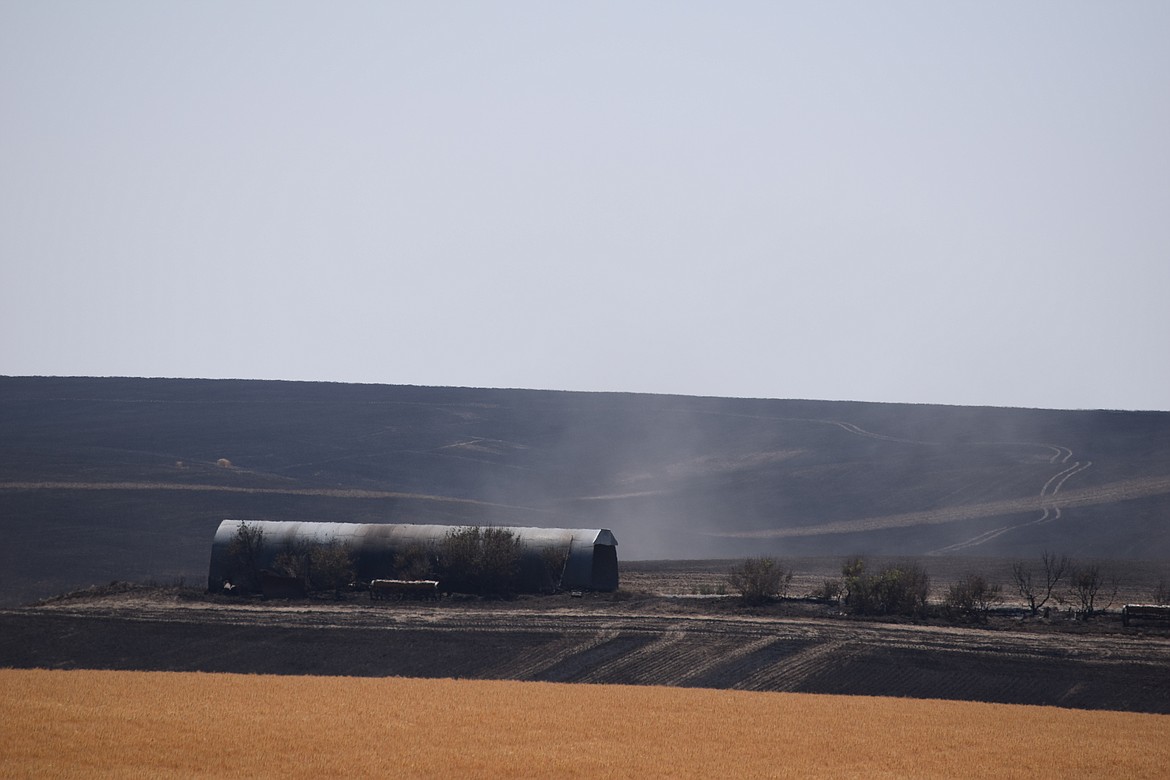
(1048, 513)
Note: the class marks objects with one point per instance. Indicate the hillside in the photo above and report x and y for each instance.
(128, 478)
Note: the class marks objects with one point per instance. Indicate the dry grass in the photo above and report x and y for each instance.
(147, 724)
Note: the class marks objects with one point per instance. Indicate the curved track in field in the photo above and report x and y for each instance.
(1047, 502)
(1050, 512)
(1050, 509)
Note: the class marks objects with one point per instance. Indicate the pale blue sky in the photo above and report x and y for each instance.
(963, 203)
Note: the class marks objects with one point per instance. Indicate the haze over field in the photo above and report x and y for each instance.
(902, 202)
(131, 477)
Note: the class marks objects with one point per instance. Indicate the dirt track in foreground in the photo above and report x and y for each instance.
(648, 641)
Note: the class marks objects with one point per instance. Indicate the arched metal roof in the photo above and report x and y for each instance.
(590, 554)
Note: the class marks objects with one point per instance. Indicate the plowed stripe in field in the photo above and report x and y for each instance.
(789, 673)
(553, 654)
(637, 664)
(725, 657)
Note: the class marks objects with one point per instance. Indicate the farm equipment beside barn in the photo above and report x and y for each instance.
(1145, 614)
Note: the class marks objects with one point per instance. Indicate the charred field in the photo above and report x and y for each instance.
(649, 634)
(104, 479)
(127, 480)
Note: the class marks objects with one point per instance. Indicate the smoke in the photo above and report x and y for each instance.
(680, 477)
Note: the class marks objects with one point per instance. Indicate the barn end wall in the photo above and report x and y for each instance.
(590, 554)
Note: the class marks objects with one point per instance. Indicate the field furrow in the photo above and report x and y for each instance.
(552, 655)
(789, 673)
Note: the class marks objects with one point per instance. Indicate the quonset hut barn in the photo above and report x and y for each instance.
(590, 555)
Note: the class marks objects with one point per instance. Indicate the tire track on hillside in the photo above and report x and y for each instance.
(857, 430)
(1125, 490)
(1050, 510)
(1048, 514)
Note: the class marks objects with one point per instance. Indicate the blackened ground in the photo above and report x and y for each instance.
(641, 639)
(105, 479)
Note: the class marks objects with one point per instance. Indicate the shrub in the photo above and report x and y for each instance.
(829, 591)
(971, 598)
(322, 566)
(332, 567)
(500, 565)
(898, 589)
(757, 580)
(244, 555)
(414, 562)
(294, 561)
(851, 573)
(478, 560)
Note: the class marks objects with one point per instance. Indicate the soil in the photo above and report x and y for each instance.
(635, 636)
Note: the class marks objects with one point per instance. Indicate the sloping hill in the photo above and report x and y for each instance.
(128, 478)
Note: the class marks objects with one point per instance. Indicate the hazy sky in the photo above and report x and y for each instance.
(945, 202)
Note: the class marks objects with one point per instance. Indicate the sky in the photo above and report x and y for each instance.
(956, 203)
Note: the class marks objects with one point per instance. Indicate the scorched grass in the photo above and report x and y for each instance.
(151, 724)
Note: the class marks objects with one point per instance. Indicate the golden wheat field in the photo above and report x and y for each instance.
(159, 724)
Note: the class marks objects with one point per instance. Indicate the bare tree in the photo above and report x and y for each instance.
(1088, 585)
(1039, 591)
(1161, 594)
(332, 567)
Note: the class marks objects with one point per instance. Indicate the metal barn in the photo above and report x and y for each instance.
(590, 554)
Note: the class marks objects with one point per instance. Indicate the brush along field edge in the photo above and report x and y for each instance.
(160, 724)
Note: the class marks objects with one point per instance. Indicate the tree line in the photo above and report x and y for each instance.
(485, 561)
(904, 588)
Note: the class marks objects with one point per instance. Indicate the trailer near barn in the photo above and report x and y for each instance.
(275, 586)
(402, 589)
